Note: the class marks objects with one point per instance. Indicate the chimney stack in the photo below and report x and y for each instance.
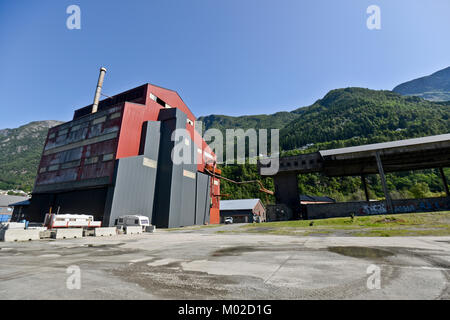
(98, 91)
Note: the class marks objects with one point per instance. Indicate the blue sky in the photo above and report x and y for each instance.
(231, 57)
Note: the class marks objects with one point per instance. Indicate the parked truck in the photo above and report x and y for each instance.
(133, 220)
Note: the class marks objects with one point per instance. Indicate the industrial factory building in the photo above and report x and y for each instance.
(114, 159)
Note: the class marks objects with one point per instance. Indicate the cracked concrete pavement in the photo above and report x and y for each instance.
(198, 263)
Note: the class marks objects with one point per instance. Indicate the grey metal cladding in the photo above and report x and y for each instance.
(202, 199)
(189, 183)
(168, 194)
(152, 139)
(134, 189)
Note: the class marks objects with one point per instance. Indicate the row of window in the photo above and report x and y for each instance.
(72, 164)
(79, 126)
(166, 105)
(296, 163)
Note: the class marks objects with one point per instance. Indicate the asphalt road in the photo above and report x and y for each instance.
(202, 264)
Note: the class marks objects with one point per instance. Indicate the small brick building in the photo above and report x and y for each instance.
(243, 210)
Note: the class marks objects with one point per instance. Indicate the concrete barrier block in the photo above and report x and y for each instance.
(133, 230)
(46, 234)
(67, 233)
(19, 235)
(13, 225)
(101, 232)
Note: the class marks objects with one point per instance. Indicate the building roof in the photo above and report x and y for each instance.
(20, 203)
(401, 155)
(241, 204)
(386, 145)
(304, 197)
(6, 200)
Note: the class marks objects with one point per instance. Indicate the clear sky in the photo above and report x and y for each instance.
(230, 57)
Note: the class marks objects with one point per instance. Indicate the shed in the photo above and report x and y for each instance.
(7, 206)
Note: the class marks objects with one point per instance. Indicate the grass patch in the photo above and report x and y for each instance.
(411, 224)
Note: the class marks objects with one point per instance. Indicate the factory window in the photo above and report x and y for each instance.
(99, 120)
(311, 161)
(120, 220)
(51, 135)
(107, 157)
(295, 163)
(75, 128)
(42, 170)
(303, 162)
(161, 102)
(115, 115)
(62, 132)
(53, 167)
(91, 160)
(70, 164)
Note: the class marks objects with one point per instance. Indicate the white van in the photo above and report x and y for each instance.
(133, 220)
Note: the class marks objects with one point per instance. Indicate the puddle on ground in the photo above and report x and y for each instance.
(361, 252)
(238, 250)
(232, 251)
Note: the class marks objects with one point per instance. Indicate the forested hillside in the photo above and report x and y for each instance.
(347, 117)
(20, 152)
(435, 87)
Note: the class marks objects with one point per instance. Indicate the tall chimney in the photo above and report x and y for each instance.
(98, 91)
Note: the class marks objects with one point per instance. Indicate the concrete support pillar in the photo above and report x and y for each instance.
(364, 183)
(444, 181)
(286, 191)
(389, 207)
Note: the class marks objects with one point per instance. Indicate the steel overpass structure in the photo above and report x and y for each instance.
(380, 158)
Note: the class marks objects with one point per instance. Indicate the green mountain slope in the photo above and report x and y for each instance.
(364, 116)
(435, 87)
(20, 152)
(221, 122)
